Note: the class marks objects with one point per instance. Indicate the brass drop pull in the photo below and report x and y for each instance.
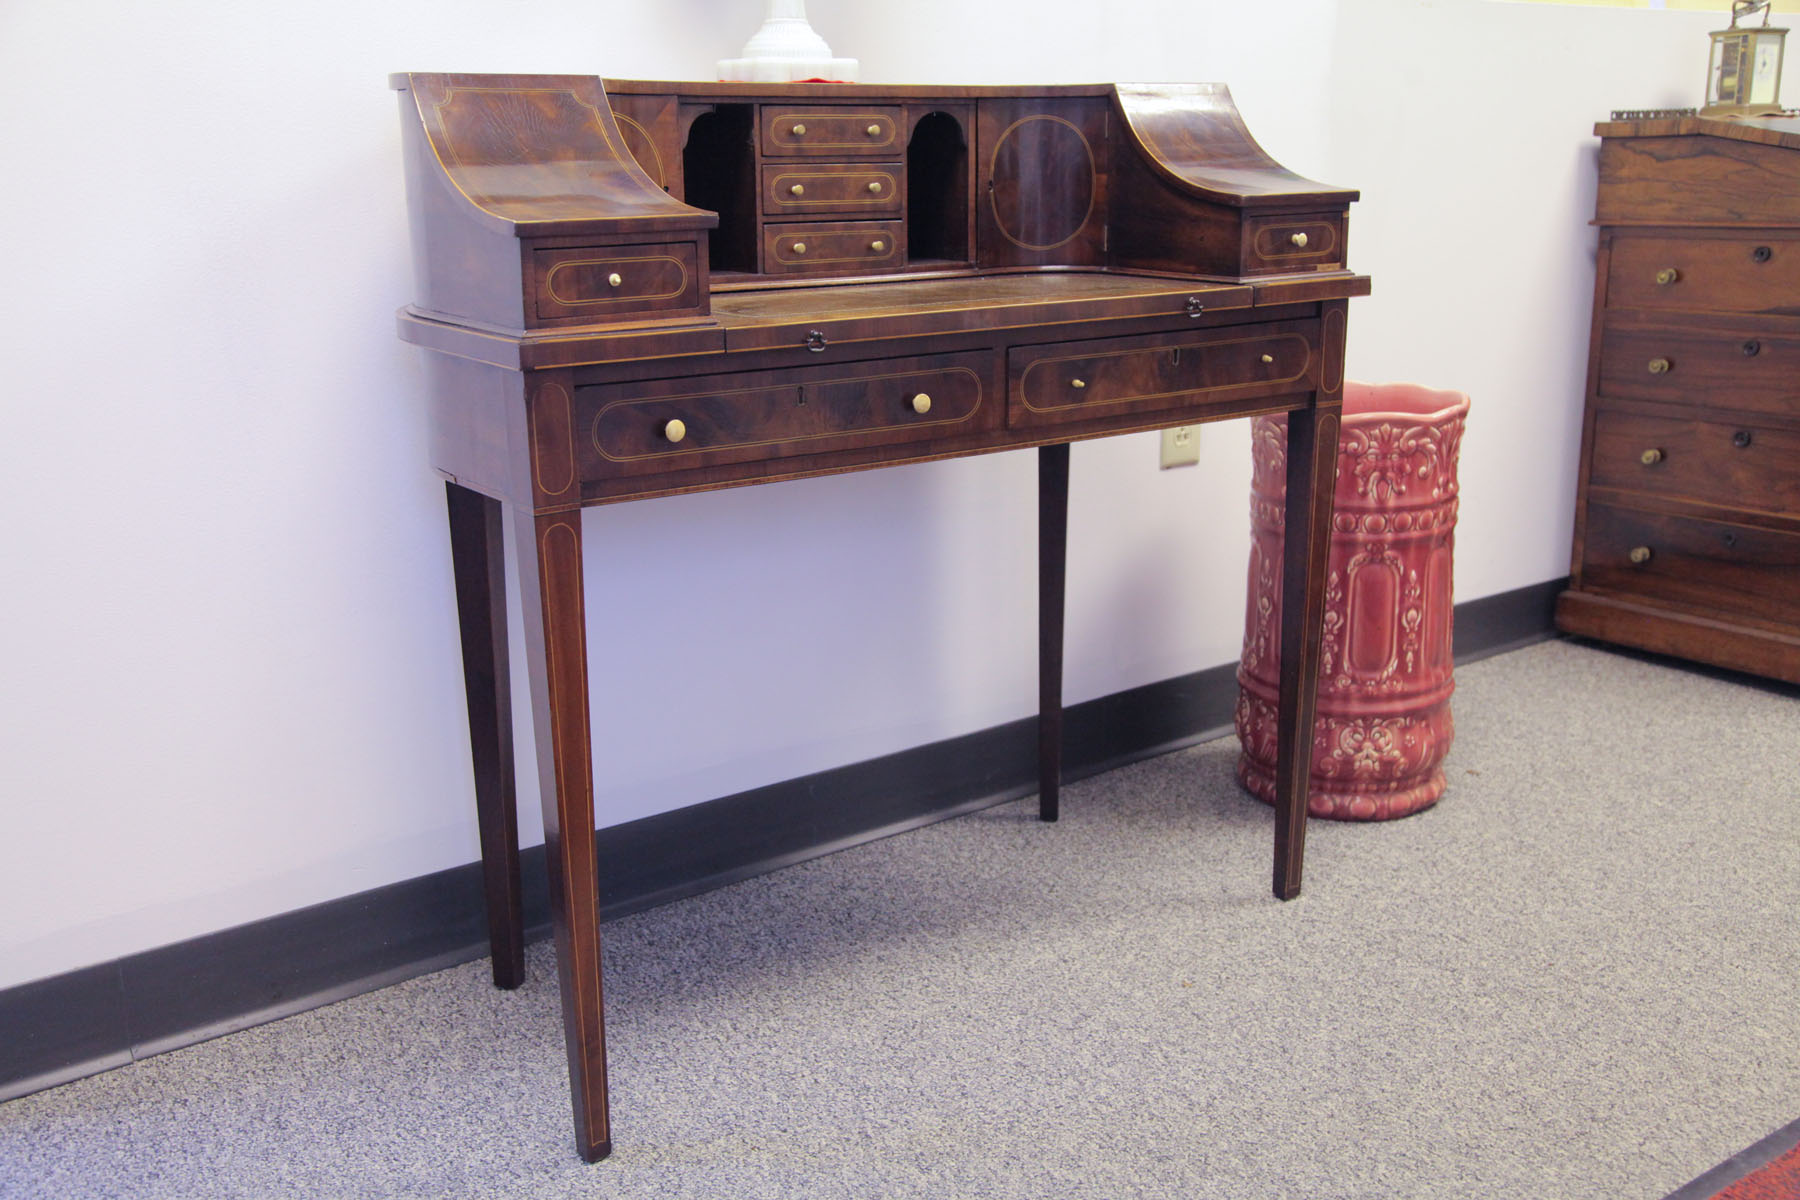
(799, 130)
(1299, 240)
(873, 131)
(799, 189)
(799, 247)
(1077, 383)
(615, 279)
(878, 246)
(675, 430)
(815, 340)
(1667, 275)
(1194, 306)
(875, 186)
(1651, 457)
(921, 404)
(1660, 366)
(1640, 555)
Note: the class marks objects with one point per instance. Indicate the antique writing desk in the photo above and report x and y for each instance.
(649, 288)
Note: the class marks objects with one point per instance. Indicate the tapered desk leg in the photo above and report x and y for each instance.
(1311, 471)
(1053, 546)
(477, 557)
(549, 551)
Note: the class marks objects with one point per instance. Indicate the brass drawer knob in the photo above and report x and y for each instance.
(675, 430)
(873, 131)
(878, 246)
(615, 279)
(875, 186)
(921, 403)
(1640, 555)
(799, 130)
(1299, 240)
(1667, 275)
(799, 189)
(1661, 366)
(1651, 457)
(1268, 358)
(1077, 383)
(799, 247)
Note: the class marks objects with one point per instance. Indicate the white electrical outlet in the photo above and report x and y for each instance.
(1180, 446)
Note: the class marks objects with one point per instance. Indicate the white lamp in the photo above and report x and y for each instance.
(786, 49)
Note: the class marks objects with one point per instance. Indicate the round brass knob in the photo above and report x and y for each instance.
(799, 247)
(799, 130)
(878, 246)
(1667, 275)
(1299, 240)
(1651, 457)
(1640, 555)
(873, 131)
(797, 190)
(875, 186)
(921, 404)
(675, 430)
(615, 279)
(1268, 358)
(1079, 383)
(1661, 366)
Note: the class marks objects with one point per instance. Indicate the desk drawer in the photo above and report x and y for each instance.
(1733, 466)
(603, 283)
(1749, 363)
(626, 428)
(1713, 567)
(1751, 273)
(840, 131)
(1293, 243)
(834, 247)
(807, 189)
(1076, 381)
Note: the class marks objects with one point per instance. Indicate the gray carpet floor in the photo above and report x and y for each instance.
(1575, 977)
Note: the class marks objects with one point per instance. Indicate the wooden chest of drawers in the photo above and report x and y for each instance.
(1687, 529)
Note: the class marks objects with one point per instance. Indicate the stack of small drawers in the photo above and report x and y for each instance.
(833, 189)
(1687, 535)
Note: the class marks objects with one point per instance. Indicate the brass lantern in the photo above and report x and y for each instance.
(1744, 77)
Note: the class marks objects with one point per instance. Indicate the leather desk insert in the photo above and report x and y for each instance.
(1687, 536)
(638, 289)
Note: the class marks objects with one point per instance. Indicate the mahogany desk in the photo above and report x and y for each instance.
(650, 288)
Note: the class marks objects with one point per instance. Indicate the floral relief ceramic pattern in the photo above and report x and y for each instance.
(1383, 723)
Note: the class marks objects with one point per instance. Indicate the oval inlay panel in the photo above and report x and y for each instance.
(1043, 182)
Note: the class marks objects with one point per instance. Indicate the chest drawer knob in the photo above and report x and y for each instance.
(1666, 276)
(1762, 254)
(1077, 383)
(615, 279)
(1299, 241)
(799, 189)
(1268, 358)
(1640, 555)
(799, 130)
(675, 430)
(1651, 457)
(799, 247)
(1661, 366)
(873, 131)
(875, 187)
(1751, 348)
(878, 246)
(1742, 439)
(921, 403)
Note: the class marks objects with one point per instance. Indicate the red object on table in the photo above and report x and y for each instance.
(1383, 724)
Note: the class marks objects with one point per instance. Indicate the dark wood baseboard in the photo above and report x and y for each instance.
(105, 1016)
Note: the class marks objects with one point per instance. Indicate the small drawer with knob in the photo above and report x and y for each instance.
(1749, 273)
(808, 189)
(1293, 243)
(834, 247)
(1751, 364)
(706, 421)
(1719, 567)
(606, 283)
(848, 131)
(1734, 466)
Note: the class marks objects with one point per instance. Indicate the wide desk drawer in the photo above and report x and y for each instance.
(1078, 381)
(678, 424)
(1750, 363)
(1750, 273)
(1713, 567)
(1731, 465)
